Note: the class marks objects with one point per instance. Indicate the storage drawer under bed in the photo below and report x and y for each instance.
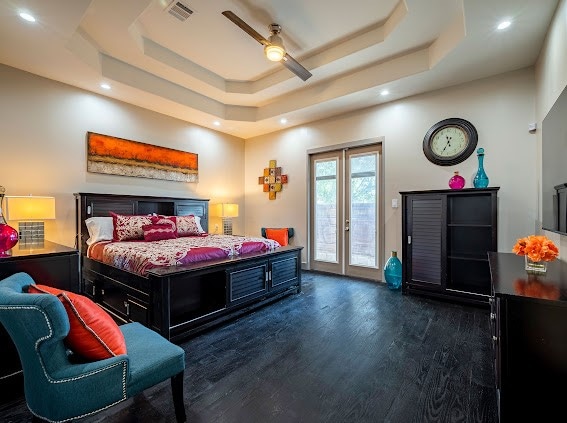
(123, 302)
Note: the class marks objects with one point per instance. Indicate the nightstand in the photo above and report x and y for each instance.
(48, 264)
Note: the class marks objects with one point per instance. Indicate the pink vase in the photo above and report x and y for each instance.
(8, 235)
(8, 238)
(456, 181)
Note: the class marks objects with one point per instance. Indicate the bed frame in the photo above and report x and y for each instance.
(179, 301)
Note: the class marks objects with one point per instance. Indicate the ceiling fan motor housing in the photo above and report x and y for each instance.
(274, 28)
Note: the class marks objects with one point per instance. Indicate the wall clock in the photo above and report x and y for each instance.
(450, 142)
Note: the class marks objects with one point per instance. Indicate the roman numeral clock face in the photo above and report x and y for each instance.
(450, 141)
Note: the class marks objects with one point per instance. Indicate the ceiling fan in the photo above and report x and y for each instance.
(273, 46)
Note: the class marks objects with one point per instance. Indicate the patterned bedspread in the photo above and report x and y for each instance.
(140, 256)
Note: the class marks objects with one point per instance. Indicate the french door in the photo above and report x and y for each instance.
(344, 217)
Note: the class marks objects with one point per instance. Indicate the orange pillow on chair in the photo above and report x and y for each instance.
(280, 235)
(93, 335)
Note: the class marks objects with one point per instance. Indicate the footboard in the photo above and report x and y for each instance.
(183, 300)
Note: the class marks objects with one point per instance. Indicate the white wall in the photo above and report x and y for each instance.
(43, 148)
(551, 79)
(500, 108)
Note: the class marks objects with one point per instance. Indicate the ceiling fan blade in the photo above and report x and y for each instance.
(245, 27)
(294, 66)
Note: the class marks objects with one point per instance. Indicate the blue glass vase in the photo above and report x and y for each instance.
(393, 271)
(481, 179)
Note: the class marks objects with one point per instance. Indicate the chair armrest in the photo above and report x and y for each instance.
(90, 369)
(78, 389)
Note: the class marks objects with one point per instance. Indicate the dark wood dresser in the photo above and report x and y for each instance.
(529, 333)
(48, 264)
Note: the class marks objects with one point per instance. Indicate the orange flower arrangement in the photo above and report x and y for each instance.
(537, 248)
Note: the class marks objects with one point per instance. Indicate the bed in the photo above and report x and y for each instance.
(180, 297)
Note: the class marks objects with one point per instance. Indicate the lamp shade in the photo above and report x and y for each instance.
(224, 210)
(30, 208)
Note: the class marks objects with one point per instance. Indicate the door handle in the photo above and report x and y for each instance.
(347, 225)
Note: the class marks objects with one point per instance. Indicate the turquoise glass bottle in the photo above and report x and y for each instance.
(481, 179)
(393, 271)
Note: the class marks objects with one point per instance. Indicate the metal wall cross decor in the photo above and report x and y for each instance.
(272, 180)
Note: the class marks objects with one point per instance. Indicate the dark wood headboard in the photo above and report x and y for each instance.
(100, 205)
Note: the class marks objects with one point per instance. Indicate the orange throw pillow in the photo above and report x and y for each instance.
(279, 235)
(93, 334)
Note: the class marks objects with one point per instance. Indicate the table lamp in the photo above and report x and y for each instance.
(30, 212)
(226, 211)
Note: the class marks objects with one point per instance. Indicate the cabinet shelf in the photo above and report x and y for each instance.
(468, 225)
(468, 256)
(468, 290)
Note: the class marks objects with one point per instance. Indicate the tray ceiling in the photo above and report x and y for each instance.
(205, 69)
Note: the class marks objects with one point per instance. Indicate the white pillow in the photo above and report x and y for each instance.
(198, 222)
(100, 229)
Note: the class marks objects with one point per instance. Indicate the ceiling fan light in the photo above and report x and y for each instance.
(275, 50)
(274, 53)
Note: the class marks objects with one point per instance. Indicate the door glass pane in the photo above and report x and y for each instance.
(326, 210)
(363, 210)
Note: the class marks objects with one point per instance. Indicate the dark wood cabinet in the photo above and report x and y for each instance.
(446, 235)
(48, 264)
(529, 327)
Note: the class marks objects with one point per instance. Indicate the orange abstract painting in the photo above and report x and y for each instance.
(117, 156)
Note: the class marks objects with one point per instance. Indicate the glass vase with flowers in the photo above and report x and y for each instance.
(537, 250)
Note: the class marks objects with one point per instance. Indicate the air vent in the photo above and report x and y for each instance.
(179, 10)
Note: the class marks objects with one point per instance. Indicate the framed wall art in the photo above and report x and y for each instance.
(117, 156)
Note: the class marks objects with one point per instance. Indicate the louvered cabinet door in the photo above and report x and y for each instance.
(424, 242)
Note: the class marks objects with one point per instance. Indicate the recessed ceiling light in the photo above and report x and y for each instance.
(283, 121)
(105, 86)
(384, 92)
(503, 25)
(216, 123)
(27, 17)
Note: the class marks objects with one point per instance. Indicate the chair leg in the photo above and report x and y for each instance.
(178, 403)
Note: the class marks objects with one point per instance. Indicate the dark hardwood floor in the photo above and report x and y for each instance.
(343, 350)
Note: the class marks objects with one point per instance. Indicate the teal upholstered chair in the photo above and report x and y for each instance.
(58, 389)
